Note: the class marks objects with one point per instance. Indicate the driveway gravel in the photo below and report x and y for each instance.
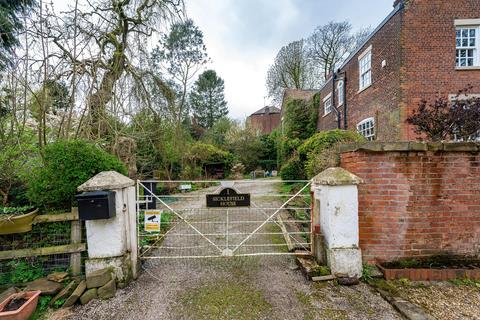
(259, 287)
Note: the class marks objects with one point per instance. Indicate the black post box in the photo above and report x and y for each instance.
(96, 205)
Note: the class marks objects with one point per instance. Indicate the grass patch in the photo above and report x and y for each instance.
(224, 300)
(466, 282)
(367, 272)
(277, 239)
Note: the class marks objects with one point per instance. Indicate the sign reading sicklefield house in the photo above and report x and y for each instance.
(228, 198)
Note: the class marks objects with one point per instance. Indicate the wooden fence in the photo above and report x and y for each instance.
(75, 248)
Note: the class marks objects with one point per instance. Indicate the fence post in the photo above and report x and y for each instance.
(76, 237)
(112, 242)
(335, 221)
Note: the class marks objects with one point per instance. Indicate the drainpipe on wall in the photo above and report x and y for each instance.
(345, 125)
(334, 106)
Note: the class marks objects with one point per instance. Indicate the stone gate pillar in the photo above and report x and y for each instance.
(335, 221)
(113, 242)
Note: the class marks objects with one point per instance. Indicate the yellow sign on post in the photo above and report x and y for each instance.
(152, 220)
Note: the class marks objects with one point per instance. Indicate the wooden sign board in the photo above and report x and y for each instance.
(228, 198)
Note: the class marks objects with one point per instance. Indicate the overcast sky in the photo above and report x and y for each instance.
(243, 36)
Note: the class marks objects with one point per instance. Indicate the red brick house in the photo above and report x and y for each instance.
(423, 49)
(265, 120)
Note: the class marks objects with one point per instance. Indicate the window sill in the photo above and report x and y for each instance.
(467, 68)
(326, 114)
(363, 89)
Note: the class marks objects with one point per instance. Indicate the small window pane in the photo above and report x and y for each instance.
(367, 129)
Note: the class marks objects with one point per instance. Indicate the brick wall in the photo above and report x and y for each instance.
(382, 99)
(266, 123)
(418, 199)
(428, 41)
(418, 45)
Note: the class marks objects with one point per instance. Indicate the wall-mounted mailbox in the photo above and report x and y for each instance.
(96, 205)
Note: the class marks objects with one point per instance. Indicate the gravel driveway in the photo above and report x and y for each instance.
(260, 287)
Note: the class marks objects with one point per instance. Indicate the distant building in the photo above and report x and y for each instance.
(266, 119)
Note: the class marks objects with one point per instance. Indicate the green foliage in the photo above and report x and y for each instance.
(269, 146)
(300, 119)
(181, 52)
(244, 142)
(286, 148)
(466, 282)
(59, 303)
(17, 155)
(68, 164)
(216, 135)
(20, 272)
(15, 210)
(207, 99)
(10, 24)
(43, 303)
(367, 272)
(293, 170)
(325, 139)
(201, 155)
(321, 150)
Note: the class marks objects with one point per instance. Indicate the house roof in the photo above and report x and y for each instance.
(266, 110)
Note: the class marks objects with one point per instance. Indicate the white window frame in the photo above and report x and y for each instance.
(365, 69)
(327, 104)
(464, 43)
(368, 132)
(341, 92)
(474, 137)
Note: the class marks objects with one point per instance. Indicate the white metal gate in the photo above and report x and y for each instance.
(277, 222)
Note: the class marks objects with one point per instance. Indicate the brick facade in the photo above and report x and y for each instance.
(417, 200)
(429, 53)
(265, 120)
(413, 58)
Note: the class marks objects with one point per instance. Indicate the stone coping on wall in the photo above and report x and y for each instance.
(411, 146)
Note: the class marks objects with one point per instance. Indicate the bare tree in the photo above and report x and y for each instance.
(331, 44)
(292, 68)
(105, 31)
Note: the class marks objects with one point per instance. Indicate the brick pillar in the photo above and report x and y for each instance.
(335, 221)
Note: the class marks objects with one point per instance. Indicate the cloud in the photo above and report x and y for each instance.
(243, 37)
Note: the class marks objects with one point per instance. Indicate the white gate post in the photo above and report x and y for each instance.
(113, 242)
(336, 221)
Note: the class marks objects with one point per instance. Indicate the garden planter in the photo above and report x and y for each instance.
(17, 224)
(430, 274)
(25, 311)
